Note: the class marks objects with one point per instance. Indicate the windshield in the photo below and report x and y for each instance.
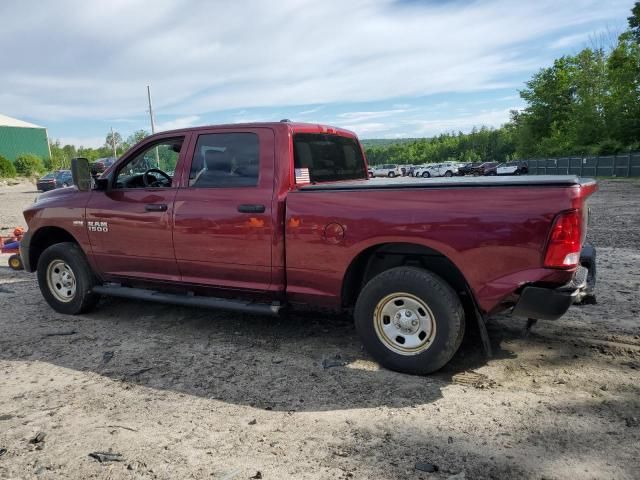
(327, 157)
(50, 175)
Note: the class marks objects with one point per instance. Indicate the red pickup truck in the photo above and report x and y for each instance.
(263, 216)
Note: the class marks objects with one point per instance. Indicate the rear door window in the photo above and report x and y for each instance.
(328, 157)
(225, 160)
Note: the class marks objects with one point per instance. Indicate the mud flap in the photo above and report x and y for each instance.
(588, 260)
(482, 329)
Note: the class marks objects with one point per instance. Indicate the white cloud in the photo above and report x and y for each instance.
(419, 125)
(93, 60)
(176, 123)
(311, 110)
(509, 98)
(594, 39)
(491, 118)
(93, 142)
(367, 129)
(358, 117)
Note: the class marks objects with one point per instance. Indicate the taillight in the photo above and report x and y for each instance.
(565, 241)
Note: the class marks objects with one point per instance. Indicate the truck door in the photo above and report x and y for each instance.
(223, 224)
(130, 224)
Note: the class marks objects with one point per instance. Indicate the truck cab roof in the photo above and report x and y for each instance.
(292, 127)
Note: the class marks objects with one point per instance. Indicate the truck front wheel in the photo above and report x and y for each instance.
(65, 279)
(410, 320)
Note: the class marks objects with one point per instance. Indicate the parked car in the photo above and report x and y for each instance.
(387, 170)
(100, 165)
(266, 216)
(56, 179)
(407, 170)
(468, 168)
(424, 170)
(513, 168)
(486, 169)
(447, 169)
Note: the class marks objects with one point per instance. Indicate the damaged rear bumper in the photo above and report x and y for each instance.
(551, 303)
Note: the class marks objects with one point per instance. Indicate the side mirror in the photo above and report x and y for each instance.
(102, 184)
(81, 173)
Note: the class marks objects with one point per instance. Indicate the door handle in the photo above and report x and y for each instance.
(156, 207)
(251, 208)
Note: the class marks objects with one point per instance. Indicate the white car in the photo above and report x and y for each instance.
(512, 168)
(387, 170)
(447, 169)
(424, 171)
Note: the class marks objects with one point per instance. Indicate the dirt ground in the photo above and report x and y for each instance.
(188, 393)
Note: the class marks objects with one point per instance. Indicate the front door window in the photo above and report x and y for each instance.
(154, 167)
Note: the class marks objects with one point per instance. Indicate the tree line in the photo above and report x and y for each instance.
(583, 104)
(61, 155)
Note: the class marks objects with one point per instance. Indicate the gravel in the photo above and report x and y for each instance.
(220, 395)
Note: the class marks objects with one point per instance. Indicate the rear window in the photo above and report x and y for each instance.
(328, 157)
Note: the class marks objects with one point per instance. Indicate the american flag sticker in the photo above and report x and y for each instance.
(302, 175)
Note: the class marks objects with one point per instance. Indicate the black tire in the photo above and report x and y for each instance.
(426, 174)
(84, 299)
(391, 174)
(442, 301)
(15, 262)
(448, 173)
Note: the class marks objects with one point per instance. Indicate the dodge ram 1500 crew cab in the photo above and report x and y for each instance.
(263, 216)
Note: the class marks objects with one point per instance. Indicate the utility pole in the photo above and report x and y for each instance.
(113, 144)
(153, 126)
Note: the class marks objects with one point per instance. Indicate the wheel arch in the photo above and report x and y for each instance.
(380, 257)
(43, 238)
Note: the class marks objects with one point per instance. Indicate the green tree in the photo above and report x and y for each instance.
(28, 165)
(622, 106)
(588, 103)
(136, 137)
(634, 22)
(7, 170)
(111, 138)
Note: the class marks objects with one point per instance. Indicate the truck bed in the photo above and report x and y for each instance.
(457, 182)
(494, 236)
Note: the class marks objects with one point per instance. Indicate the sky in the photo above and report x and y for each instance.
(382, 68)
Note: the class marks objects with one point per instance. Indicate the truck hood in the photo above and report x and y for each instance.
(58, 192)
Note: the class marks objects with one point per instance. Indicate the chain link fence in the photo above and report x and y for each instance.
(621, 165)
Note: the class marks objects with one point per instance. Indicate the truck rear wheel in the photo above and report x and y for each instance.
(410, 320)
(65, 279)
